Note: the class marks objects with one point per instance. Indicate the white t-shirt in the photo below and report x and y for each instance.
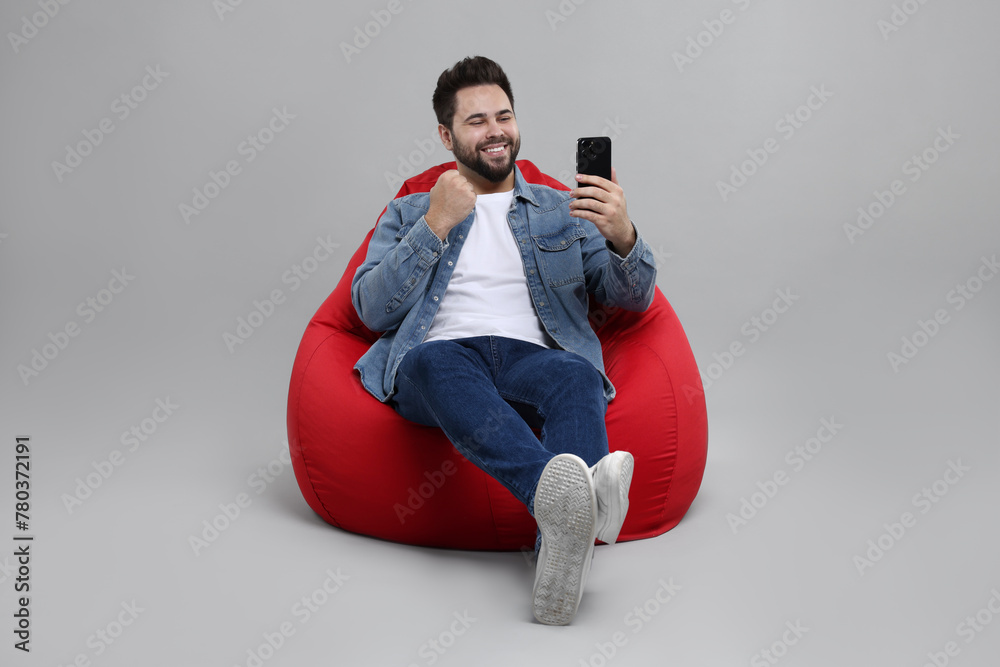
(488, 293)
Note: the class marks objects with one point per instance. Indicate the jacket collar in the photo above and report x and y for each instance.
(521, 187)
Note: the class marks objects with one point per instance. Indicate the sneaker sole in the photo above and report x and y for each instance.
(566, 512)
(615, 487)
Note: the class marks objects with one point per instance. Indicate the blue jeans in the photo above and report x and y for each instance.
(487, 394)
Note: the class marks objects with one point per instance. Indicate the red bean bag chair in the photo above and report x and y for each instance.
(365, 469)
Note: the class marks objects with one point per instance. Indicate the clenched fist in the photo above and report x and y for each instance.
(452, 200)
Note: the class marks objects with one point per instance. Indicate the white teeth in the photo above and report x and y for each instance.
(494, 150)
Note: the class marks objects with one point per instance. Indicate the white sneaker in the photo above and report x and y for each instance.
(612, 479)
(566, 513)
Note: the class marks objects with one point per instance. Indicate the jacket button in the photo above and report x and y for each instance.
(435, 298)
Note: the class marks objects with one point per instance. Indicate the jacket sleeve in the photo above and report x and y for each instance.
(396, 270)
(625, 282)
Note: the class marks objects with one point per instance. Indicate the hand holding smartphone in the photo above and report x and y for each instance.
(593, 158)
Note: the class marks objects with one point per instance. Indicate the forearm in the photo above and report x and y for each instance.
(627, 281)
(395, 272)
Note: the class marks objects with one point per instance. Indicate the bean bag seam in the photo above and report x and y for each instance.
(298, 417)
(673, 398)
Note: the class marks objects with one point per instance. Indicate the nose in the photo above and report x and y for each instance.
(494, 130)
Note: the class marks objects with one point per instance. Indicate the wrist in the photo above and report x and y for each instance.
(434, 225)
(623, 246)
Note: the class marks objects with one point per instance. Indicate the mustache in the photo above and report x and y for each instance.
(490, 142)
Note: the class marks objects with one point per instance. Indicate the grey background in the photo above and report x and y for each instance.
(608, 67)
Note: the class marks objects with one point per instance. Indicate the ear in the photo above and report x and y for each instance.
(445, 135)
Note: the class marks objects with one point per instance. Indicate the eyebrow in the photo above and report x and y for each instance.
(505, 112)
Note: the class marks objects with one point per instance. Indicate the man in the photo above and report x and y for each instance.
(481, 289)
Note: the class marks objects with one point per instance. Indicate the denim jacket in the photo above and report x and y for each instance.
(399, 286)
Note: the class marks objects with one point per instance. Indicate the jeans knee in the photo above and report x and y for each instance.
(578, 374)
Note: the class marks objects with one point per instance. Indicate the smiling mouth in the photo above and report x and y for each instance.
(495, 150)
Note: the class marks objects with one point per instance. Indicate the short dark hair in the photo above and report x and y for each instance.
(473, 71)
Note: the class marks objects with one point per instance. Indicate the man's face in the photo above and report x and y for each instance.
(483, 133)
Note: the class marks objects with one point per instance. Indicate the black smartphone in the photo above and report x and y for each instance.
(593, 156)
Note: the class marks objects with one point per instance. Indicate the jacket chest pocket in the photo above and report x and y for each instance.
(560, 256)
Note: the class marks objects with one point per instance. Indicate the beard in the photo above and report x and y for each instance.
(492, 170)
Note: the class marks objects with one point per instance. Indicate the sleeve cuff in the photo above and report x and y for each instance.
(424, 242)
(638, 249)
